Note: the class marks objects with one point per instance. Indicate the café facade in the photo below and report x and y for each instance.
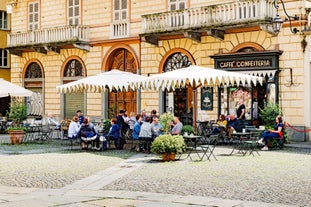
(234, 36)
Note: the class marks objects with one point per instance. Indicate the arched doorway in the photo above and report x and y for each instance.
(34, 81)
(73, 70)
(124, 60)
(182, 97)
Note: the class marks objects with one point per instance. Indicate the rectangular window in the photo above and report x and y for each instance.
(120, 10)
(73, 12)
(177, 5)
(33, 15)
(3, 20)
(3, 58)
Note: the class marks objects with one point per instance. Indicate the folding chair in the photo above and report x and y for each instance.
(44, 134)
(209, 146)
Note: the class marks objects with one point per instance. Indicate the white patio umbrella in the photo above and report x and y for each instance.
(196, 76)
(9, 89)
(113, 80)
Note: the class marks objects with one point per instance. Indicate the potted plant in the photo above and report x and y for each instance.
(165, 120)
(268, 114)
(17, 114)
(168, 146)
(187, 129)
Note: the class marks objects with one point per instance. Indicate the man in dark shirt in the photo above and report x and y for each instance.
(241, 110)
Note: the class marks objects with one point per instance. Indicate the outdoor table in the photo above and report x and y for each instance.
(193, 141)
(240, 145)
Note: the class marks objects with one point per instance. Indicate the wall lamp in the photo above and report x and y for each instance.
(10, 6)
(277, 21)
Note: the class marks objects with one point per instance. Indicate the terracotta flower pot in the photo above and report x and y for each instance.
(16, 136)
(168, 157)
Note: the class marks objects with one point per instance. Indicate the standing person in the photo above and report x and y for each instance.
(120, 121)
(153, 114)
(74, 128)
(80, 116)
(88, 133)
(177, 126)
(276, 132)
(241, 110)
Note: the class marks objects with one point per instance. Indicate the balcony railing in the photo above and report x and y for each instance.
(221, 15)
(119, 29)
(53, 35)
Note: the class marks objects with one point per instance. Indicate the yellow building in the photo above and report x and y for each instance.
(55, 42)
(5, 71)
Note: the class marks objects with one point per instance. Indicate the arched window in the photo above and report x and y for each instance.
(33, 80)
(73, 69)
(183, 96)
(33, 71)
(177, 61)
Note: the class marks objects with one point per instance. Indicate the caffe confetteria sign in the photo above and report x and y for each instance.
(245, 63)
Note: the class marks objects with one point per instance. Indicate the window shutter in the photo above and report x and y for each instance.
(120, 10)
(33, 15)
(73, 12)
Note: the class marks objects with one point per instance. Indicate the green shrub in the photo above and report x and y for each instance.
(268, 114)
(165, 120)
(168, 143)
(187, 129)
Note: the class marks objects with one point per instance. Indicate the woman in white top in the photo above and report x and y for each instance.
(74, 128)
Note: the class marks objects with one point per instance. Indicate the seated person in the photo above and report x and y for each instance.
(233, 125)
(157, 127)
(74, 128)
(80, 116)
(272, 133)
(52, 121)
(177, 126)
(222, 125)
(114, 133)
(88, 133)
(137, 125)
(146, 134)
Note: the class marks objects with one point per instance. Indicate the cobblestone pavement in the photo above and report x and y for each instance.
(51, 170)
(274, 177)
(281, 177)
